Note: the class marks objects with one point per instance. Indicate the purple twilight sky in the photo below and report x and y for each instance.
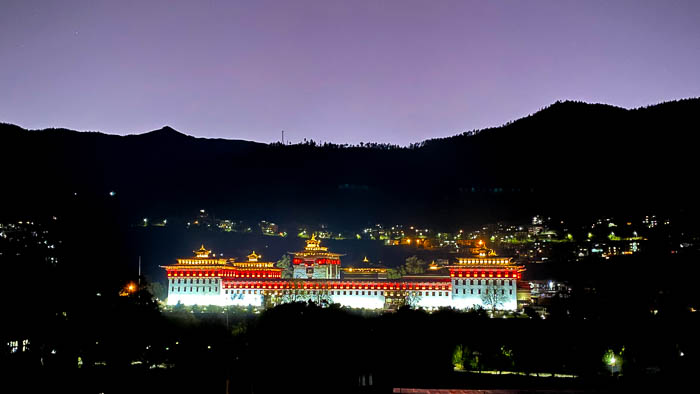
(341, 71)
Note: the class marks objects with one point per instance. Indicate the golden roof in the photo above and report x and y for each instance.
(253, 257)
(314, 244)
(202, 252)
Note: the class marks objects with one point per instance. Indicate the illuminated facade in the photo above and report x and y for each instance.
(316, 262)
(200, 280)
(205, 280)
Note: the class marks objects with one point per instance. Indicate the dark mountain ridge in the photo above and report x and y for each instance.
(571, 158)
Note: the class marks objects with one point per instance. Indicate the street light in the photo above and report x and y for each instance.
(612, 364)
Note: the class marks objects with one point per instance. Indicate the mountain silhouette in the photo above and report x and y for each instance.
(570, 158)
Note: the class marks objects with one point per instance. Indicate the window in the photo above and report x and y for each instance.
(503, 282)
(479, 291)
(464, 281)
(363, 293)
(511, 291)
(345, 293)
(503, 292)
(472, 291)
(471, 282)
(433, 294)
(479, 282)
(440, 294)
(216, 288)
(510, 282)
(226, 291)
(375, 293)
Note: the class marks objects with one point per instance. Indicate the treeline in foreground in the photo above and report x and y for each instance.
(120, 344)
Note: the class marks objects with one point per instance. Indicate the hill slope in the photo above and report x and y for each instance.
(569, 157)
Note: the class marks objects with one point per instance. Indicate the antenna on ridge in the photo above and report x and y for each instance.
(282, 137)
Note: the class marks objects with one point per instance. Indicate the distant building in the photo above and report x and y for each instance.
(205, 280)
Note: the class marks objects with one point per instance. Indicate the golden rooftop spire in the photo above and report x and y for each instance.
(253, 257)
(314, 244)
(202, 252)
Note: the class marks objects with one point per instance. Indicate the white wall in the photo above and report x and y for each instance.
(460, 297)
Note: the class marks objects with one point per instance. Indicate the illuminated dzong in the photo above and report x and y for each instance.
(480, 280)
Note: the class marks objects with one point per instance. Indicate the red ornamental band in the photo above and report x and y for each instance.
(322, 261)
(443, 286)
(230, 273)
(486, 273)
(327, 261)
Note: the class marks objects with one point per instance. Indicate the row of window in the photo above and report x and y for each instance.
(193, 289)
(193, 281)
(345, 292)
(471, 291)
(486, 282)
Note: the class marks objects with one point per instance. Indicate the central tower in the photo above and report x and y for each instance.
(316, 262)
